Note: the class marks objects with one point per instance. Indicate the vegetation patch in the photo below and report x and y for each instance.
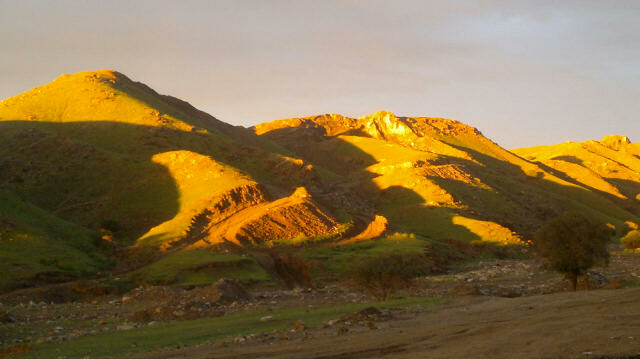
(199, 267)
(631, 240)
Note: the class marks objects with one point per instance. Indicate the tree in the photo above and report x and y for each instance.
(573, 243)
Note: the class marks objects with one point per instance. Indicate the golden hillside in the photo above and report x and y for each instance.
(437, 177)
(113, 168)
(610, 167)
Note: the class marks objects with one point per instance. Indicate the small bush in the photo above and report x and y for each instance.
(292, 270)
(631, 240)
(384, 274)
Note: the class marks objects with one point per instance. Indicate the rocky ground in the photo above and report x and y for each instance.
(602, 324)
(25, 322)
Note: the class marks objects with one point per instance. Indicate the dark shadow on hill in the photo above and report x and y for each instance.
(570, 159)
(57, 167)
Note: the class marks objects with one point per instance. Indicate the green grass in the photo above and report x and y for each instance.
(328, 262)
(188, 333)
(34, 242)
(633, 284)
(198, 267)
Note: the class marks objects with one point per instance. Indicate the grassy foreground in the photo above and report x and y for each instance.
(199, 331)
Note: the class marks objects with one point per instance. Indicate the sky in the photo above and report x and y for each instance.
(525, 73)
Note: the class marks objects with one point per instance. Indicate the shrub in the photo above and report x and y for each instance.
(292, 270)
(573, 243)
(631, 240)
(384, 274)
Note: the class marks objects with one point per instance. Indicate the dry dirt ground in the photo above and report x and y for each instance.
(584, 324)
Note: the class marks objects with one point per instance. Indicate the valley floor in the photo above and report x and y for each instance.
(488, 309)
(587, 324)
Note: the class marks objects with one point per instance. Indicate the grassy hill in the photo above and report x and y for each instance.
(103, 152)
(97, 168)
(37, 247)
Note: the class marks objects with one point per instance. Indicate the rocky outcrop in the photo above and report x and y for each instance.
(296, 217)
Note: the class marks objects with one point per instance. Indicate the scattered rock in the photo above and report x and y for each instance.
(267, 318)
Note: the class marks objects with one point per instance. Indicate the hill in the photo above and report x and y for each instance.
(97, 168)
(105, 153)
(438, 177)
(610, 167)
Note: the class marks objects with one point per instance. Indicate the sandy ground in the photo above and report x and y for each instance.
(584, 324)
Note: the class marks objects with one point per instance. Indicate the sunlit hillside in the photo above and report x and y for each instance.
(438, 177)
(97, 170)
(106, 153)
(610, 167)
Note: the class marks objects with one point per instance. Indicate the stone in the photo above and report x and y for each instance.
(125, 326)
(267, 318)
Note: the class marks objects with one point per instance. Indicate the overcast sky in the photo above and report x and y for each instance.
(524, 72)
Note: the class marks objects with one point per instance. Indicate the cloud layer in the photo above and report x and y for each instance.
(525, 73)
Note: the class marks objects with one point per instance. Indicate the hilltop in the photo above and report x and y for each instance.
(101, 173)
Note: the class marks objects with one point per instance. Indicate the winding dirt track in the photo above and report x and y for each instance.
(589, 324)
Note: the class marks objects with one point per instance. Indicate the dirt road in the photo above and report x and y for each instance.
(587, 324)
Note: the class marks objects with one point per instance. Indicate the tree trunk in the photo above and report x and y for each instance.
(573, 281)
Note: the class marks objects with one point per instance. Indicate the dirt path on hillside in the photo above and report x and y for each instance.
(588, 324)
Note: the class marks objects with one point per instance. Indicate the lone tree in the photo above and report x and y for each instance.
(573, 243)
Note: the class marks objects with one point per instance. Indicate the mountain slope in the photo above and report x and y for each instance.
(103, 152)
(94, 164)
(610, 167)
(35, 245)
(437, 177)
(96, 146)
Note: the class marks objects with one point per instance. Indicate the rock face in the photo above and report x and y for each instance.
(615, 142)
(293, 217)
